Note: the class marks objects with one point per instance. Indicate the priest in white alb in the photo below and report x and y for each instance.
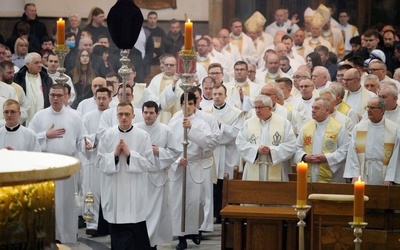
(267, 143)
(166, 150)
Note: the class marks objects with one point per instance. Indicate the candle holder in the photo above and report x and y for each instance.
(124, 71)
(301, 214)
(186, 72)
(358, 227)
(61, 52)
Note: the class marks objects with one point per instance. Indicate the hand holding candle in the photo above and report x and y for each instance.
(359, 187)
(302, 168)
(60, 32)
(188, 35)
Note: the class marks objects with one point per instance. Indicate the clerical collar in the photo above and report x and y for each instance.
(12, 129)
(220, 107)
(236, 37)
(343, 25)
(205, 98)
(279, 25)
(125, 131)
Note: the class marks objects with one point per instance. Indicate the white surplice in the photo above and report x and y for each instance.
(22, 139)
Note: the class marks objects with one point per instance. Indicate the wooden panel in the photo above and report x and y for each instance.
(394, 197)
(392, 241)
(264, 234)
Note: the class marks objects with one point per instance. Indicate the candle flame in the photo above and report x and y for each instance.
(189, 20)
(60, 19)
(359, 178)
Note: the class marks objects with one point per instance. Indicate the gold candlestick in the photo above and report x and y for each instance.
(358, 227)
(187, 74)
(301, 214)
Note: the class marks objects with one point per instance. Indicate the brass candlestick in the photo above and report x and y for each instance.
(61, 52)
(301, 214)
(187, 59)
(358, 227)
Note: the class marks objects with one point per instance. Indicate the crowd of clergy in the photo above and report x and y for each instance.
(263, 98)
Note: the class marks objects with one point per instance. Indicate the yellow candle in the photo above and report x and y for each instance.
(359, 187)
(302, 168)
(60, 32)
(188, 35)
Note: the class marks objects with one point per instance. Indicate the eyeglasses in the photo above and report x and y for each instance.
(372, 108)
(373, 70)
(348, 79)
(298, 77)
(256, 108)
(56, 95)
(169, 64)
(127, 95)
(9, 112)
(215, 73)
(304, 86)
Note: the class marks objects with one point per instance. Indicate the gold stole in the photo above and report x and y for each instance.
(312, 45)
(238, 43)
(270, 79)
(276, 129)
(245, 88)
(300, 51)
(343, 108)
(288, 106)
(204, 62)
(388, 145)
(329, 38)
(228, 48)
(328, 145)
(138, 91)
(165, 81)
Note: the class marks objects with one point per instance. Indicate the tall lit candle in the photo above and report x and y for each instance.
(60, 32)
(188, 35)
(302, 168)
(359, 187)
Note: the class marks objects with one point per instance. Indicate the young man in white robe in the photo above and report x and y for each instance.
(125, 155)
(61, 131)
(199, 137)
(90, 104)
(14, 136)
(97, 227)
(229, 120)
(267, 143)
(166, 150)
(373, 152)
(109, 117)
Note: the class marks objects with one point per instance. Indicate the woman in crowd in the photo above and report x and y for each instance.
(82, 76)
(313, 59)
(21, 50)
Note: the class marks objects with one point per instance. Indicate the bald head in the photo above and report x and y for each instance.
(223, 36)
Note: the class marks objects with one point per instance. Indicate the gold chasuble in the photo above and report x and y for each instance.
(328, 145)
(361, 137)
(276, 134)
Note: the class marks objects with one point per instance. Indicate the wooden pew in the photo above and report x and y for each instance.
(270, 223)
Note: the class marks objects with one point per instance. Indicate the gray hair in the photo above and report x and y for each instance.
(266, 100)
(338, 88)
(381, 102)
(329, 91)
(324, 71)
(279, 92)
(30, 56)
(75, 15)
(372, 77)
(381, 64)
(391, 87)
(325, 102)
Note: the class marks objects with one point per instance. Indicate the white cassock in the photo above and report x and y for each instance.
(159, 224)
(69, 82)
(19, 138)
(246, 47)
(281, 153)
(273, 28)
(206, 103)
(393, 115)
(91, 174)
(66, 209)
(87, 105)
(351, 114)
(232, 55)
(109, 118)
(123, 185)
(336, 159)
(34, 94)
(225, 154)
(232, 91)
(344, 120)
(199, 137)
(297, 104)
(374, 148)
(263, 76)
(314, 42)
(358, 100)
